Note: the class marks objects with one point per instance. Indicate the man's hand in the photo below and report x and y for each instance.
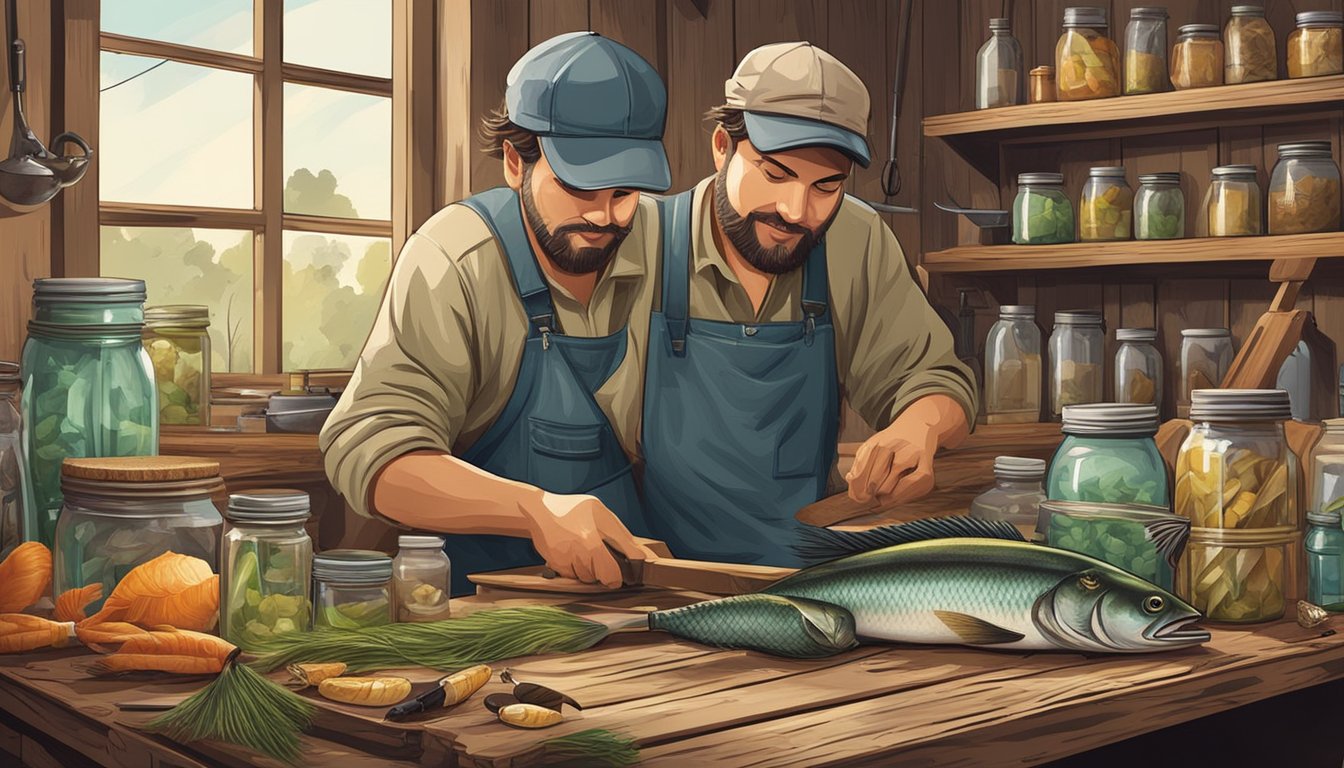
(896, 464)
(572, 533)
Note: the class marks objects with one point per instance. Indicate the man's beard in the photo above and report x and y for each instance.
(555, 244)
(741, 232)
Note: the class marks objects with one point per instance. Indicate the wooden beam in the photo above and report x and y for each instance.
(337, 226)
(454, 122)
(1284, 270)
(1261, 356)
(186, 54)
(74, 231)
(156, 215)
(412, 117)
(341, 81)
(269, 185)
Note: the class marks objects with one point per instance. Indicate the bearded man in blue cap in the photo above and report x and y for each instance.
(496, 398)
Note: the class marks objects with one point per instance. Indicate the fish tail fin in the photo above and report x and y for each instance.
(817, 545)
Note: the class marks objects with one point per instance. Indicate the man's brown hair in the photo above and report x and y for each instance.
(497, 128)
(732, 119)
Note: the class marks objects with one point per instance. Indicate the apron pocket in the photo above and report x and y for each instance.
(565, 441)
(797, 450)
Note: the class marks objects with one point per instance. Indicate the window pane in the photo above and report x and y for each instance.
(178, 134)
(221, 25)
(192, 266)
(338, 153)
(344, 35)
(333, 285)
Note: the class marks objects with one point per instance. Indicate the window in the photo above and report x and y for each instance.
(246, 163)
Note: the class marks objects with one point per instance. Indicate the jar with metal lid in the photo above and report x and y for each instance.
(1013, 367)
(1159, 207)
(88, 385)
(1327, 468)
(1041, 84)
(1017, 493)
(14, 501)
(1143, 539)
(421, 578)
(1087, 61)
(1235, 470)
(352, 588)
(1107, 207)
(1316, 47)
(1206, 357)
(1109, 455)
(266, 567)
(1042, 213)
(1197, 59)
(1304, 189)
(1077, 360)
(1233, 203)
(177, 338)
(1138, 367)
(1146, 51)
(121, 512)
(1251, 55)
(999, 72)
(1237, 576)
(1325, 560)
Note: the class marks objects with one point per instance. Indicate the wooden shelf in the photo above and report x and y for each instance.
(977, 135)
(1002, 258)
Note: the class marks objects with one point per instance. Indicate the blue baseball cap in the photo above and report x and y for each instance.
(598, 110)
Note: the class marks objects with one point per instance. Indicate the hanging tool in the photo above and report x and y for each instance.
(891, 172)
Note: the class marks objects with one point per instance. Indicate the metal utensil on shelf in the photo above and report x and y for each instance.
(983, 218)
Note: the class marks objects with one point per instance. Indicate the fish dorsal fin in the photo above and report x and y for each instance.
(817, 545)
(976, 631)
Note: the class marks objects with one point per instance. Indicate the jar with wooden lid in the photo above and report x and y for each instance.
(999, 72)
(1146, 51)
(352, 589)
(1087, 61)
(1248, 40)
(177, 338)
(1197, 58)
(267, 567)
(1304, 189)
(1234, 203)
(1316, 47)
(121, 512)
(1041, 85)
(1106, 211)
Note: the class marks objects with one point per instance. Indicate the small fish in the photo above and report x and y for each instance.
(783, 626)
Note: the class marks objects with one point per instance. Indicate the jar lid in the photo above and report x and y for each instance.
(1206, 333)
(269, 505)
(1248, 10)
(9, 373)
(1240, 405)
(191, 315)
(1160, 178)
(1235, 171)
(1135, 334)
(1107, 172)
(140, 469)
(1198, 29)
(1086, 317)
(999, 24)
(420, 542)
(1326, 519)
(1319, 18)
(352, 566)
(1085, 16)
(87, 290)
(1111, 418)
(1148, 12)
(1017, 468)
(1044, 69)
(1306, 149)
(1017, 310)
(1045, 179)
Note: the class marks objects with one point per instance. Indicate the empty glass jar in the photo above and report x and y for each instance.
(13, 480)
(1138, 367)
(1233, 204)
(1146, 51)
(267, 567)
(1077, 360)
(1087, 61)
(352, 589)
(1206, 357)
(1042, 213)
(1316, 47)
(1013, 367)
(1108, 455)
(1304, 189)
(422, 579)
(1017, 493)
(1000, 79)
(1107, 207)
(1197, 59)
(1251, 55)
(177, 338)
(1159, 207)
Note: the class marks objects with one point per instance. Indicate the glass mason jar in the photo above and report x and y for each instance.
(1233, 203)
(1235, 470)
(1146, 51)
(1108, 455)
(1017, 493)
(1143, 539)
(1138, 367)
(1249, 41)
(1237, 576)
(1087, 61)
(266, 567)
(88, 386)
(121, 512)
(1107, 207)
(1325, 560)
(13, 475)
(177, 338)
(1042, 213)
(1041, 84)
(1304, 189)
(1316, 47)
(1159, 207)
(999, 71)
(1327, 469)
(1013, 367)
(1206, 357)
(1197, 58)
(1077, 360)
(421, 579)
(352, 588)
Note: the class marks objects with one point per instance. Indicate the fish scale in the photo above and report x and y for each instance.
(770, 623)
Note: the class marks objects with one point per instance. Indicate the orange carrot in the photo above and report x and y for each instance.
(72, 602)
(170, 589)
(94, 634)
(26, 575)
(179, 651)
(21, 632)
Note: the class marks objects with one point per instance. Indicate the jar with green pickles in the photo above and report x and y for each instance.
(1142, 539)
(1109, 455)
(266, 567)
(352, 589)
(1159, 207)
(1042, 213)
(177, 338)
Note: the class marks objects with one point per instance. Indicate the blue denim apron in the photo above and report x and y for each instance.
(551, 433)
(740, 420)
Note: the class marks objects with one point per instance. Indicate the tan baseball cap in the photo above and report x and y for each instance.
(797, 95)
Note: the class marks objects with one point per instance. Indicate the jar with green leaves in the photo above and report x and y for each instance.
(1143, 539)
(177, 338)
(1042, 213)
(267, 566)
(352, 589)
(1109, 455)
(1159, 207)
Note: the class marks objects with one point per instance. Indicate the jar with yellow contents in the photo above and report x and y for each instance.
(177, 338)
(1087, 61)
(1197, 58)
(1316, 47)
(1106, 211)
(1233, 205)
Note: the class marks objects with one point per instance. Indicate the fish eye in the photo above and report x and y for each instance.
(1153, 604)
(1089, 582)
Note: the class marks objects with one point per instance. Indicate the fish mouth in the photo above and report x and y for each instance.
(1181, 630)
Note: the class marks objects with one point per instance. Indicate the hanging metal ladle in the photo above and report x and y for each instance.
(33, 174)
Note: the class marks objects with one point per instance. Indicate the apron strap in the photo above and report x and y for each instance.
(501, 211)
(675, 215)
(816, 284)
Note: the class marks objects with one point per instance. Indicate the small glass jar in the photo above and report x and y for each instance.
(1042, 213)
(266, 567)
(1304, 189)
(1143, 539)
(1325, 560)
(121, 512)
(1197, 59)
(1041, 84)
(177, 338)
(1107, 207)
(1235, 470)
(1138, 367)
(422, 579)
(1087, 61)
(1233, 203)
(1327, 468)
(1013, 367)
(1159, 207)
(1109, 455)
(13, 480)
(1237, 576)
(352, 589)
(1316, 47)
(1077, 360)
(1295, 379)
(1251, 53)
(1017, 493)
(1146, 51)
(999, 72)
(1206, 357)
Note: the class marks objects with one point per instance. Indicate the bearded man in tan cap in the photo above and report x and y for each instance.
(779, 293)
